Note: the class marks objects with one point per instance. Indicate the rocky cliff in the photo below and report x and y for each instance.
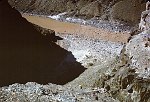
(129, 80)
(123, 10)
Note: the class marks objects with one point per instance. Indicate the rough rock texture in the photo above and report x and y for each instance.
(138, 50)
(144, 26)
(98, 57)
(126, 10)
(33, 92)
(129, 80)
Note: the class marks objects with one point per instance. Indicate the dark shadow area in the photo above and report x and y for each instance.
(28, 56)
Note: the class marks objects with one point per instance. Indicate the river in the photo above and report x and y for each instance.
(78, 29)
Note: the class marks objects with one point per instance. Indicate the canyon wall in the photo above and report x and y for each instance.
(123, 10)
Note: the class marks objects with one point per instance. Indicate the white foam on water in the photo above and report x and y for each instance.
(76, 20)
(69, 19)
(57, 17)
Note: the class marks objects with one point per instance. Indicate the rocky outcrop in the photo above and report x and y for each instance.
(123, 10)
(33, 92)
(129, 80)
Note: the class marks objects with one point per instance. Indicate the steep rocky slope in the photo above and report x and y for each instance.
(129, 80)
(123, 10)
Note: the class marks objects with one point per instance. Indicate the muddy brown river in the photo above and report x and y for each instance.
(72, 28)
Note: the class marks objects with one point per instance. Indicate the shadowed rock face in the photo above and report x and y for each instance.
(128, 10)
(26, 55)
